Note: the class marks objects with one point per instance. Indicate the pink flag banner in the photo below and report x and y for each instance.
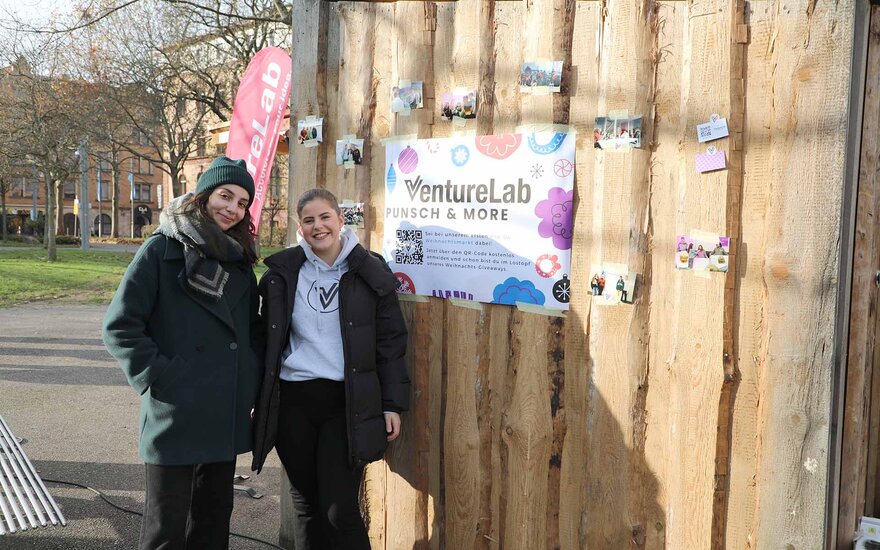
(256, 119)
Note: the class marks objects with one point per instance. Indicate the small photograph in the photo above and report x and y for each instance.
(353, 213)
(617, 134)
(406, 96)
(459, 104)
(349, 152)
(540, 76)
(701, 252)
(612, 284)
(310, 132)
(683, 250)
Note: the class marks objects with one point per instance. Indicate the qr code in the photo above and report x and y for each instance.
(409, 247)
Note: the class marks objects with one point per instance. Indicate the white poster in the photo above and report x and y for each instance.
(484, 218)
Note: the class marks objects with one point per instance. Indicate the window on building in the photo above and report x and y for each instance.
(275, 182)
(201, 146)
(143, 166)
(143, 192)
(69, 189)
(105, 165)
(104, 184)
(21, 188)
(138, 137)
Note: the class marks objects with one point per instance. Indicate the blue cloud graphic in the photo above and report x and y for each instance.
(513, 290)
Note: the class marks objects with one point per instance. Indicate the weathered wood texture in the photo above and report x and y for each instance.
(697, 417)
(858, 470)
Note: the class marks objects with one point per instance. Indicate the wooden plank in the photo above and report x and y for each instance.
(304, 98)
(856, 455)
(376, 474)
(461, 438)
(573, 496)
(354, 114)
(411, 60)
(730, 326)
(620, 194)
(807, 122)
(665, 287)
(334, 104)
(751, 314)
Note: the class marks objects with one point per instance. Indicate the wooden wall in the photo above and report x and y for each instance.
(699, 416)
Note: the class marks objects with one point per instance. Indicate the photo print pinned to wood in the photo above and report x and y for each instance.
(540, 77)
(713, 159)
(459, 105)
(617, 132)
(349, 151)
(310, 131)
(702, 251)
(353, 213)
(406, 96)
(612, 284)
(716, 128)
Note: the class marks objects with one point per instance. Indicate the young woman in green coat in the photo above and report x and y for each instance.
(184, 327)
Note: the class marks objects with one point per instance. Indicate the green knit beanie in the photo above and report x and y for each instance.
(225, 170)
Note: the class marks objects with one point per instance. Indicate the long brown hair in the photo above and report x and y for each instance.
(242, 232)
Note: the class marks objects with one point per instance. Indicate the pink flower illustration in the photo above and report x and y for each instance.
(498, 147)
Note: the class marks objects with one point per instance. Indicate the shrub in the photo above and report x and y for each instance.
(67, 239)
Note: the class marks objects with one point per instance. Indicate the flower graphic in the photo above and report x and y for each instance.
(513, 290)
(555, 214)
(498, 147)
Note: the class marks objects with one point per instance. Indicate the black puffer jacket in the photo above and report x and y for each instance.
(374, 341)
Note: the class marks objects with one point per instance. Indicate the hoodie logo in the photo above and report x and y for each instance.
(327, 296)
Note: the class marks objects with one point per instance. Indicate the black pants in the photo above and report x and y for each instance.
(312, 444)
(187, 507)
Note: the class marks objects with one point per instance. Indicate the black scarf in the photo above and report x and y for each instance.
(205, 245)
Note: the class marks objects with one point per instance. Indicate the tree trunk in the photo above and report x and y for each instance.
(3, 206)
(50, 219)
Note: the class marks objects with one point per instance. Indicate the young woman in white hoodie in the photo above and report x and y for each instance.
(334, 382)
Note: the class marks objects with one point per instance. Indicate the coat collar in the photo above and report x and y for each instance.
(370, 267)
(236, 288)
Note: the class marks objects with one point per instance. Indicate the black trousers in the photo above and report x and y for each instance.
(312, 444)
(188, 507)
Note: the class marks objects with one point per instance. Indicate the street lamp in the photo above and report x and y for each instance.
(84, 193)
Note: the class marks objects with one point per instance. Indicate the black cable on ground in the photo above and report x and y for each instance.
(135, 512)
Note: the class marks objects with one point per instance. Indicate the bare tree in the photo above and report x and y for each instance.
(39, 103)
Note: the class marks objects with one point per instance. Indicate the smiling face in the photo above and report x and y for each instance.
(227, 205)
(320, 225)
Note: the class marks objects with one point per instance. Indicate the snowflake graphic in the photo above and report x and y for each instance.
(460, 155)
(537, 171)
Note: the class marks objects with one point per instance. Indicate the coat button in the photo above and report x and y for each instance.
(233, 346)
(273, 326)
(272, 282)
(200, 347)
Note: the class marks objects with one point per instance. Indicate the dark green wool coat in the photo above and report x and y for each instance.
(196, 363)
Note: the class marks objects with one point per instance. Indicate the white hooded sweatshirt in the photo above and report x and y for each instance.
(315, 346)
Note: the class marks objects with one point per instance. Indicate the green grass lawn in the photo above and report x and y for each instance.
(26, 275)
(78, 276)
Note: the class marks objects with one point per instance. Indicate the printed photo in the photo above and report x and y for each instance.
(617, 134)
(353, 213)
(701, 253)
(404, 98)
(349, 152)
(612, 284)
(543, 76)
(459, 104)
(310, 132)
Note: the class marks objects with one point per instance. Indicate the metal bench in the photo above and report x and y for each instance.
(24, 500)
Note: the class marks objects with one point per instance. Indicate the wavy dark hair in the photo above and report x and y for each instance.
(242, 232)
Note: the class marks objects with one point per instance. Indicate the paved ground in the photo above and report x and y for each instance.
(62, 392)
